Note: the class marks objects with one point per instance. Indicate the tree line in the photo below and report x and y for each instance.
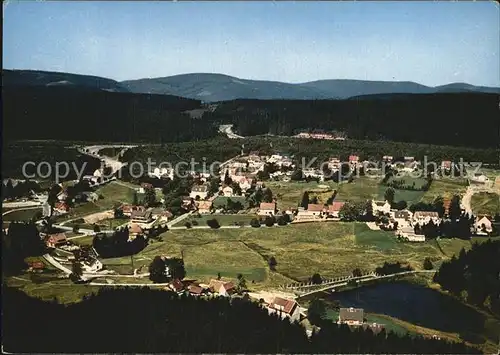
(474, 276)
(146, 320)
(443, 118)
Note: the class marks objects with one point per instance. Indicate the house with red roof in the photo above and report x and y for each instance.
(267, 209)
(285, 308)
(334, 209)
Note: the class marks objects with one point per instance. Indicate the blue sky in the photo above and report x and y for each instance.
(432, 43)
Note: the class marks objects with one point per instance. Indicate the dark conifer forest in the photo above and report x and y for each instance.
(147, 321)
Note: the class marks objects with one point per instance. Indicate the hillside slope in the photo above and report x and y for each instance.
(15, 78)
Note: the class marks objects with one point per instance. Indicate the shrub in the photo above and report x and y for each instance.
(255, 223)
(269, 221)
(195, 223)
(213, 223)
(282, 221)
(316, 279)
(187, 224)
(428, 264)
(272, 263)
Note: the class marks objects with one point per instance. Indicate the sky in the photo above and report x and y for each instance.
(432, 43)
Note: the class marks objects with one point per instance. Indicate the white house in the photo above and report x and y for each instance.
(381, 206)
(267, 209)
(227, 191)
(199, 192)
(424, 217)
(314, 211)
(483, 222)
(94, 266)
(285, 308)
(403, 218)
(351, 316)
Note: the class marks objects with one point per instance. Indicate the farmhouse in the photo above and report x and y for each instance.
(195, 290)
(199, 192)
(135, 229)
(204, 207)
(351, 316)
(93, 266)
(333, 163)
(54, 240)
(244, 183)
(223, 288)
(353, 159)
(402, 217)
(176, 286)
(381, 207)
(483, 224)
(446, 165)
(387, 158)
(285, 308)
(145, 216)
(424, 217)
(334, 209)
(128, 209)
(61, 207)
(314, 211)
(267, 209)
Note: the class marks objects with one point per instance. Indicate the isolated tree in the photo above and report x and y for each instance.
(175, 268)
(297, 175)
(242, 283)
(157, 270)
(267, 195)
(316, 279)
(149, 197)
(439, 206)
(305, 200)
(97, 229)
(389, 195)
(118, 213)
(187, 225)
(135, 199)
(455, 210)
(428, 264)
(357, 272)
(227, 179)
(218, 276)
(76, 228)
(269, 221)
(282, 220)
(316, 312)
(272, 263)
(76, 271)
(255, 223)
(213, 223)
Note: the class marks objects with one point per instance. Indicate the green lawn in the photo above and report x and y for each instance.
(113, 194)
(21, 215)
(409, 196)
(221, 201)
(485, 203)
(332, 249)
(223, 219)
(360, 189)
(446, 188)
(289, 194)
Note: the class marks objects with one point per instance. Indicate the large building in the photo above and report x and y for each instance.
(351, 316)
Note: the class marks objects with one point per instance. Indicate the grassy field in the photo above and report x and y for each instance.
(113, 194)
(223, 219)
(409, 196)
(21, 215)
(221, 201)
(485, 203)
(332, 249)
(361, 189)
(290, 194)
(445, 188)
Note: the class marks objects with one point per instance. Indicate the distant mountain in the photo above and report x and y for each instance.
(219, 87)
(17, 78)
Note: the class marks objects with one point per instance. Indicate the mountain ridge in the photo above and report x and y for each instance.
(216, 87)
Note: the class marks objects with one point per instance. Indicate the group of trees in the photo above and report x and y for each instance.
(100, 115)
(20, 189)
(474, 275)
(20, 241)
(392, 268)
(359, 117)
(183, 324)
(118, 244)
(163, 269)
(260, 195)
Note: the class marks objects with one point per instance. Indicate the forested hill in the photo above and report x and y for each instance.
(76, 113)
(11, 78)
(457, 119)
(155, 321)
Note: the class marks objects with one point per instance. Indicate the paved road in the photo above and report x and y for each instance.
(228, 130)
(21, 205)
